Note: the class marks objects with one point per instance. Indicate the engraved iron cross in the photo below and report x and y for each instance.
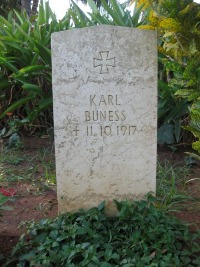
(104, 62)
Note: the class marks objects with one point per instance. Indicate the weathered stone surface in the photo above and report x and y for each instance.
(105, 114)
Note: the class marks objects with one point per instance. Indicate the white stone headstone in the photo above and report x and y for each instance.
(105, 115)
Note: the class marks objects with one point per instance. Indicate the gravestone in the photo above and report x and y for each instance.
(105, 115)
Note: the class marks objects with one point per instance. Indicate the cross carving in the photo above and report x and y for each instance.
(104, 62)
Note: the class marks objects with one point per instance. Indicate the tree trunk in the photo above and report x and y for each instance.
(34, 7)
(26, 5)
(30, 6)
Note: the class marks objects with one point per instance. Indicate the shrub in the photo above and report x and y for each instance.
(140, 235)
(25, 64)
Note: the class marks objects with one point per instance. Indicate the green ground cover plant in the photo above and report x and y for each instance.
(140, 235)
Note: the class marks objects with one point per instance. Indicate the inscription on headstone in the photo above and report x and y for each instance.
(105, 106)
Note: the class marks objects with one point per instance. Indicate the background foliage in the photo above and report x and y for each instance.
(178, 28)
(9, 5)
(25, 61)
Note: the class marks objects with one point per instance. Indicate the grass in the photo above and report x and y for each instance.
(27, 166)
(172, 184)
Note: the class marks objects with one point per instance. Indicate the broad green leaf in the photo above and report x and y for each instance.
(9, 32)
(4, 62)
(117, 8)
(168, 34)
(34, 60)
(41, 14)
(45, 102)
(20, 18)
(190, 94)
(196, 146)
(105, 264)
(74, 18)
(162, 110)
(101, 206)
(44, 53)
(136, 15)
(81, 231)
(53, 234)
(170, 24)
(32, 87)
(7, 23)
(162, 85)
(18, 47)
(42, 104)
(48, 12)
(93, 6)
(25, 34)
(177, 110)
(82, 17)
(165, 134)
(99, 19)
(117, 19)
(3, 199)
(30, 69)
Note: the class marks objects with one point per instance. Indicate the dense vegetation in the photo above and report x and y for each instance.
(178, 28)
(25, 61)
(8, 5)
(140, 235)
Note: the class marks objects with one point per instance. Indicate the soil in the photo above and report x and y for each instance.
(31, 170)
